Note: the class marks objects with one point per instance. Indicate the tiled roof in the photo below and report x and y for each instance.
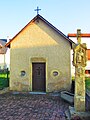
(5, 40)
(3, 49)
(88, 54)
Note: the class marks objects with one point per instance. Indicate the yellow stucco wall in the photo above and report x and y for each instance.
(40, 43)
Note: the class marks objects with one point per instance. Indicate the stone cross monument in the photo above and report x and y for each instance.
(79, 61)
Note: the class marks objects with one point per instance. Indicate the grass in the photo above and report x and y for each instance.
(87, 82)
(3, 75)
(4, 81)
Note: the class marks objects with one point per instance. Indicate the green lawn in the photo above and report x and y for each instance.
(4, 81)
(3, 76)
(87, 82)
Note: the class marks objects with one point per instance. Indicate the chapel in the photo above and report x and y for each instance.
(40, 58)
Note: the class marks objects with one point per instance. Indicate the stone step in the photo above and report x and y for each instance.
(67, 96)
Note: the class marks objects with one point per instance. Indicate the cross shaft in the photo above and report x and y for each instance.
(79, 35)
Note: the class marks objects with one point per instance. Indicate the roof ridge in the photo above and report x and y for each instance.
(42, 18)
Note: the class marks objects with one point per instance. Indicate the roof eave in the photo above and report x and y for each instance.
(36, 17)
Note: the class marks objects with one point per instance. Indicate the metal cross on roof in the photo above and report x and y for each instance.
(37, 10)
